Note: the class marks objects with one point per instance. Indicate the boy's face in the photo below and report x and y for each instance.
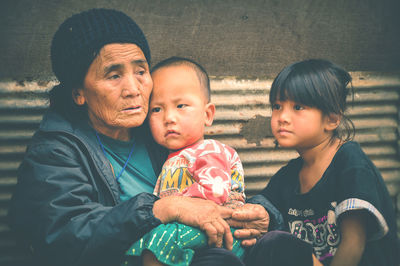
(178, 110)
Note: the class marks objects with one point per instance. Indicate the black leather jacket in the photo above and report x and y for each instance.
(66, 205)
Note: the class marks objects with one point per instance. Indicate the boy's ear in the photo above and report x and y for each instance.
(210, 112)
(77, 95)
(333, 121)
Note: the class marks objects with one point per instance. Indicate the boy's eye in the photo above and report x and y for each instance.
(155, 109)
(276, 106)
(181, 105)
(298, 107)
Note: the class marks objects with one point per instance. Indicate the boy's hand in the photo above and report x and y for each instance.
(253, 220)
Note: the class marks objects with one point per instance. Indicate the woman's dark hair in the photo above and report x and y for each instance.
(61, 101)
(317, 83)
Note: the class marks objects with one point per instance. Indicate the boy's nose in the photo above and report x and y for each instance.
(170, 117)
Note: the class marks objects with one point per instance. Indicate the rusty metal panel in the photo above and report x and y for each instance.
(242, 121)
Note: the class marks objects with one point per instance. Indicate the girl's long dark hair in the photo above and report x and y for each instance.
(317, 83)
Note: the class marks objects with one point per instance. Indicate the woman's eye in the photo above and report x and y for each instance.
(114, 76)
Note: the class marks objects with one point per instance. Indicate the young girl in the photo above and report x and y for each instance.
(332, 196)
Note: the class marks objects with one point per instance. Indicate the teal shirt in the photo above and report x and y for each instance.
(138, 175)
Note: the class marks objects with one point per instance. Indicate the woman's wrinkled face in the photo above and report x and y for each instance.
(116, 90)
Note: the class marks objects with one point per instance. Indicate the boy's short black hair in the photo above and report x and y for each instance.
(200, 71)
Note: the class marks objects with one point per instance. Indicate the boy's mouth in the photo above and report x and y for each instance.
(171, 133)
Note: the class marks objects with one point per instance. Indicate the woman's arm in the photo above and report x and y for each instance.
(197, 212)
(66, 213)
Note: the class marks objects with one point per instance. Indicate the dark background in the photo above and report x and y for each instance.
(243, 39)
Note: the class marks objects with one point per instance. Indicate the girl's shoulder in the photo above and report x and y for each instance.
(351, 154)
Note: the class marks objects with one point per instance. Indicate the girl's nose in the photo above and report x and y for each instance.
(284, 116)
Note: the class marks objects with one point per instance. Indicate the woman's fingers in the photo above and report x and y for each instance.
(211, 232)
(227, 235)
(218, 233)
(250, 216)
(249, 242)
(250, 212)
(247, 233)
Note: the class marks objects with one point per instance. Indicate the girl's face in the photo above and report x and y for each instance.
(298, 126)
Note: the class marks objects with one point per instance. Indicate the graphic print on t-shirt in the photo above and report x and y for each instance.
(322, 233)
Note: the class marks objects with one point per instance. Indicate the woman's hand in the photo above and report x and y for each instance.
(196, 212)
(253, 220)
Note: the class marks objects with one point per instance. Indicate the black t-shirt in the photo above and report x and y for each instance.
(351, 182)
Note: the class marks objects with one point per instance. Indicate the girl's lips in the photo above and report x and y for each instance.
(284, 131)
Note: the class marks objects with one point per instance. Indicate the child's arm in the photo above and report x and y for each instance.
(353, 239)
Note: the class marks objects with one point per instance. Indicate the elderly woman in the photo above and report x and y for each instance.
(84, 187)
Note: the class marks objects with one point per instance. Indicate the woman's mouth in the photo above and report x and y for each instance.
(132, 109)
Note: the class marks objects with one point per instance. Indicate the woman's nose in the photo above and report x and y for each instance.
(131, 86)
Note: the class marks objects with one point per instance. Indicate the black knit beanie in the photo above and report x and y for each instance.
(79, 39)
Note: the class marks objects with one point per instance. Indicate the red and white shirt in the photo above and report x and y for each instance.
(207, 169)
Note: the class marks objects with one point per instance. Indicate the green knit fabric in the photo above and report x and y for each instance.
(174, 244)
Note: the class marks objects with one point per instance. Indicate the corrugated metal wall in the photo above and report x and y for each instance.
(243, 114)
(242, 121)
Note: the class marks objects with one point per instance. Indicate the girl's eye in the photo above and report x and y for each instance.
(298, 107)
(276, 106)
(181, 105)
(155, 109)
